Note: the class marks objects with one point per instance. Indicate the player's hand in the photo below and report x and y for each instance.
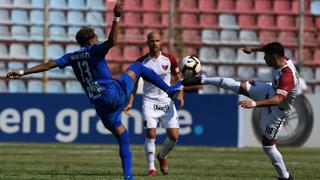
(118, 8)
(127, 109)
(247, 50)
(13, 75)
(247, 104)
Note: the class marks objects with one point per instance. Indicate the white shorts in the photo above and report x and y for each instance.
(272, 118)
(155, 113)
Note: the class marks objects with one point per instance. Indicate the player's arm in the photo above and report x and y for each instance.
(249, 50)
(273, 101)
(131, 98)
(175, 79)
(36, 69)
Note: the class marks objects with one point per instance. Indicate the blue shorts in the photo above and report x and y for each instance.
(114, 98)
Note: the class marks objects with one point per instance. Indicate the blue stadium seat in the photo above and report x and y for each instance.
(260, 57)
(289, 53)
(228, 21)
(226, 71)
(12, 65)
(75, 18)
(3, 86)
(20, 33)
(77, 4)
(55, 87)
(4, 33)
(4, 17)
(55, 51)
(228, 37)
(57, 33)
(101, 34)
(58, 4)
(208, 54)
(245, 73)
(68, 72)
(35, 86)
(18, 51)
(307, 74)
(36, 33)
(96, 5)
(21, 3)
(35, 52)
(37, 17)
(35, 75)
(95, 19)
(3, 69)
(227, 54)
(210, 36)
(72, 48)
(57, 18)
(73, 87)
(19, 16)
(37, 3)
(4, 51)
(72, 31)
(315, 8)
(210, 71)
(249, 37)
(264, 74)
(17, 86)
(246, 58)
(6, 3)
(317, 74)
(317, 89)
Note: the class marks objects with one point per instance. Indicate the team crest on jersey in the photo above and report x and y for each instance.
(164, 67)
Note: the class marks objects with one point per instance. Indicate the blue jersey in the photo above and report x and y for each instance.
(90, 68)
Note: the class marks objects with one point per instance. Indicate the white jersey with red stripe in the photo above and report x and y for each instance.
(164, 66)
(286, 83)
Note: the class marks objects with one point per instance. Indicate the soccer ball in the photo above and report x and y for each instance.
(190, 66)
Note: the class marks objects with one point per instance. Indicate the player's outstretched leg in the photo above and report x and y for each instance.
(162, 156)
(149, 75)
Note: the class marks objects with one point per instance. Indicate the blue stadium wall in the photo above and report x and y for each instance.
(205, 120)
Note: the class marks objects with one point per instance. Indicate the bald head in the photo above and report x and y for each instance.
(154, 43)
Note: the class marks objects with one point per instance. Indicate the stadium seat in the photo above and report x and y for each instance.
(35, 52)
(226, 71)
(3, 86)
(248, 37)
(18, 51)
(77, 4)
(35, 75)
(295, 6)
(95, 19)
(152, 19)
(72, 31)
(317, 22)
(55, 51)
(316, 56)
(151, 5)
(309, 38)
(101, 33)
(318, 74)
(58, 4)
(56, 73)
(315, 6)
(3, 69)
(37, 3)
(57, 18)
(21, 3)
(245, 73)
(191, 36)
(260, 58)
(280, 6)
(133, 5)
(267, 36)
(228, 37)
(131, 52)
(317, 89)
(132, 18)
(115, 53)
(264, 74)
(12, 65)
(164, 5)
(228, 21)
(244, 6)
(190, 5)
(57, 33)
(4, 51)
(35, 86)
(207, 5)
(289, 53)
(266, 22)
(210, 36)
(263, 6)
(20, 17)
(208, 54)
(307, 74)
(226, 5)
(70, 48)
(73, 87)
(96, 5)
(68, 72)
(245, 58)
(309, 23)
(189, 20)
(36, 17)
(227, 54)
(4, 17)
(17, 86)
(4, 33)
(36, 33)
(165, 20)
(307, 55)
(75, 18)
(247, 21)
(288, 38)
(20, 33)
(6, 3)
(55, 87)
(285, 22)
(189, 50)
(208, 21)
(133, 35)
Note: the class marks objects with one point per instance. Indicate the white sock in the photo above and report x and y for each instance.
(225, 83)
(150, 149)
(166, 148)
(277, 160)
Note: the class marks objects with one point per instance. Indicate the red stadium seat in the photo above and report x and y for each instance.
(115, 54)
(151, 5)
(133, 5)
(189, 20)
(226, 6)
(285, 22)
(152, 20)
(207, 5)
(189, 51)
(308, 23)
(131, 52)
(191, 36)
(307, 56)
(190, 5)
(132, 19)
(281, 6)
(317, 23)
(288, 38)
(267, 36)
(295, 6)
(208, 21)
(133, 35)
(266, 22)
(309, 38)
(164, 5)
(247, 21)
(263, 6)
(316, 56)
(243, 6)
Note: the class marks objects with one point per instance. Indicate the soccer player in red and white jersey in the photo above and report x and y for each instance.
(157, 106)
(275, 98)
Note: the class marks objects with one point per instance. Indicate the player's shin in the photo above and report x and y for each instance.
(276, 160)
(168, 145)
(149, 147)
(225, 83)
(125, 154)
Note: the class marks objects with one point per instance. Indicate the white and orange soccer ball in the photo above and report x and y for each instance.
(190, 66)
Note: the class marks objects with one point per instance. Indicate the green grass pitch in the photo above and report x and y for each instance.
(101, 162)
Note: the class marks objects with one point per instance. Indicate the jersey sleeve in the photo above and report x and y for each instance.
(64, 61)
(286, 83)
(98, 50)
(174, 64)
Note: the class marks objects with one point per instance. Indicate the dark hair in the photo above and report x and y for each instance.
(84, 35)
(274, 48)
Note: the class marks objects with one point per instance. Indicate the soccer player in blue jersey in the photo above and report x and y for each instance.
(108, 96)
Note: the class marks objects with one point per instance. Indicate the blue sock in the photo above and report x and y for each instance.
(125, 154)
(149, 75)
